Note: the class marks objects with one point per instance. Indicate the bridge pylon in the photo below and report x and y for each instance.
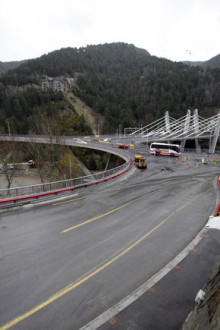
(167, 122)
(214, 139)
(186, 128)
(196, 129)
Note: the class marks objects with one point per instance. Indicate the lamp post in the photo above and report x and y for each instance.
(9, 131)
(119, 129)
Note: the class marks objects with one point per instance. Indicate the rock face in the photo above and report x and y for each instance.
(206, 314)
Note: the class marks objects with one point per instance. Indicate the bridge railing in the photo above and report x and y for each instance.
(16, 194)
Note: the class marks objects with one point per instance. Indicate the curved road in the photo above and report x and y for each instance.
(64, 262)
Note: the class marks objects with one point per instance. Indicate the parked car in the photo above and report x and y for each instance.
(33, 163)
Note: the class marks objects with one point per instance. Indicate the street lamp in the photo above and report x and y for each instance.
(9, 131)
(119, 129)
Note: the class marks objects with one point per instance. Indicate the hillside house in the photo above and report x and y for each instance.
(58, 84)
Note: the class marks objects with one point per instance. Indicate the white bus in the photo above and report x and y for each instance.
(167, 149)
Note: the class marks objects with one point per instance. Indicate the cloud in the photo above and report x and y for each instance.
(166, 28)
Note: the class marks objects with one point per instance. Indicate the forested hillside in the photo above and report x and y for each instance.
(5, 66)
(124, 84)
(32, 111)
(213, 63)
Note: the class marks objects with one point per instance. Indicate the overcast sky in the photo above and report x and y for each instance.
(174, 29)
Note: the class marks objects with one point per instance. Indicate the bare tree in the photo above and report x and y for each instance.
(10, 155)
(9, 172)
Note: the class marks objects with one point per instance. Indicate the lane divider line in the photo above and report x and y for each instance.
(69, 201)
(109, 212)
(73, 285)
(98, 216)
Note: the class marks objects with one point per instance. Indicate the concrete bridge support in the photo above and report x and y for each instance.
(84, 169)
(186, 128)
(196, 129)
(214, 139)
(108, 160)
(167, 123)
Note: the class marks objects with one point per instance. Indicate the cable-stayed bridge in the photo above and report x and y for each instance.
(189, 127)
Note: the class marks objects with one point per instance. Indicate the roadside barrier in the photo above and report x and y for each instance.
(19, 194)
(217, 211)
(218, 181)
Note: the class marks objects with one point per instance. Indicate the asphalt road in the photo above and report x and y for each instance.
(65, 262)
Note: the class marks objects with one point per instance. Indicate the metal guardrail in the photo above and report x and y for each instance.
(17, 194)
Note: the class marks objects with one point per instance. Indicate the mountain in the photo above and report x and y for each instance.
(123, 84)
(70, 61)
(5, 66)
(213, 63)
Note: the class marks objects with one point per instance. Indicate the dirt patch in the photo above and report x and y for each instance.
(91, 117)
(20, 181)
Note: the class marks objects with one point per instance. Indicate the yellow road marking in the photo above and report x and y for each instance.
(111, 211)
(72, 286)
(69, 200)
(99, 216)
